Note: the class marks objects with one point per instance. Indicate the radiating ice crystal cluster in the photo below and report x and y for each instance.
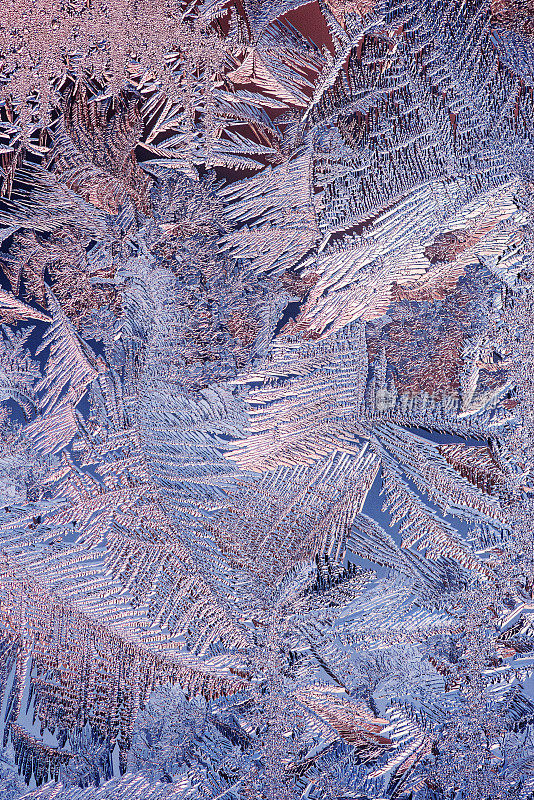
(267, 400)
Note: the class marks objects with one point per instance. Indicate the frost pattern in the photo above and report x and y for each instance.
(266, 400)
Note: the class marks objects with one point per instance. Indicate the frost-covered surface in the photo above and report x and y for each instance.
(266, 400)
